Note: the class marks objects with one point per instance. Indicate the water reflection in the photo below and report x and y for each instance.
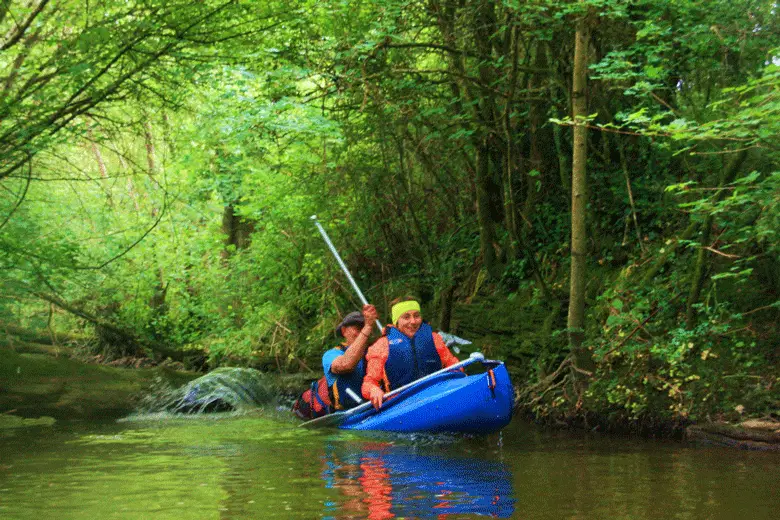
(239, 468)
(379, 481)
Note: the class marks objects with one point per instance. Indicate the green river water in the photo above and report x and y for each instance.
(263, 466)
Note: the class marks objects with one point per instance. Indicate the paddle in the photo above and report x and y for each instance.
(334, 419)
(343, 266)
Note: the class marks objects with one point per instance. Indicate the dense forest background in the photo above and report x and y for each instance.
(587, 189)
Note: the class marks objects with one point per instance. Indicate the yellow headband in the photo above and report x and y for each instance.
(402, 307)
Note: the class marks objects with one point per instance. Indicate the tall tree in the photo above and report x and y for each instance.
(579, 201)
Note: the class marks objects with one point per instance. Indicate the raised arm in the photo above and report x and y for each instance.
(357, 349)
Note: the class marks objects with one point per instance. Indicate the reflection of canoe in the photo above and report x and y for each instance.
(448, 402)
(391, 480)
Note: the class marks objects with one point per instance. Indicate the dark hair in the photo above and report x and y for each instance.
(405, 298)
(353, 318)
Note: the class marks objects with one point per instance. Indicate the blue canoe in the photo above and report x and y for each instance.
(446, 401)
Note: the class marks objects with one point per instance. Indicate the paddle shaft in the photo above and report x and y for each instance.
(343, 266)
(336, 418)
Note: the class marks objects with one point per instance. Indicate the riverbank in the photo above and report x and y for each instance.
(40, 383)
(670, 383)
(752, 434)
(38, 388)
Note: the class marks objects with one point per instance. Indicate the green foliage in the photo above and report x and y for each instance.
(159, 165)
(681, 375)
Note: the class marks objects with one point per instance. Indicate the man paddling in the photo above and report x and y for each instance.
(344, 366)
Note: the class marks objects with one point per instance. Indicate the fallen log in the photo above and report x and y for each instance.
(749, 435)
(127, 341)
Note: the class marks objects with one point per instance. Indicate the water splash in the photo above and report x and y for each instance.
(222, 390)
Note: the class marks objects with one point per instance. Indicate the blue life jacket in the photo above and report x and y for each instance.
(410, 359)
(354, 380)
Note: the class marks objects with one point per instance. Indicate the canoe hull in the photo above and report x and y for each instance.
(452, 402)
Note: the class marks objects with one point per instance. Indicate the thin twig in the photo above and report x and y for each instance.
(282, 326)
(708, 248)
(765, 307)
(20, 199)
(664, 103)
(721, 152)
(638, 327)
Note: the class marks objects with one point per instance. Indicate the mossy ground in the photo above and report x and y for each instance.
(42, 385)
(35, 384)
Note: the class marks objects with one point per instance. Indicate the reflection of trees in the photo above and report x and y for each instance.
(384, 481)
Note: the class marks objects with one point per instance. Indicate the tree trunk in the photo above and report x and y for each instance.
(489, 196)
(629, 191)
(157, 302)
(150, 153)
(487, 232)
(445, 303)
(101, 163)
(563, 163)
(151, 160)
(238, 230)
(98, 155)
(698, 278)
(121, 341)
(535, 175)
(169, 142)
(510, 203)
(576, 319)
(130, 186)
(406, 182)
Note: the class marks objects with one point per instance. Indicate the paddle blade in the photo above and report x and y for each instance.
(331, 420)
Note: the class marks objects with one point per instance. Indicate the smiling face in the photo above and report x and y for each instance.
(409, 322)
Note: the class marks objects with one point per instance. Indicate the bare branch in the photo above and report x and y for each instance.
(21, 197)
(13, 39)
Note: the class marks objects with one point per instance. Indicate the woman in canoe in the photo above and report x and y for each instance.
(409, 350)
